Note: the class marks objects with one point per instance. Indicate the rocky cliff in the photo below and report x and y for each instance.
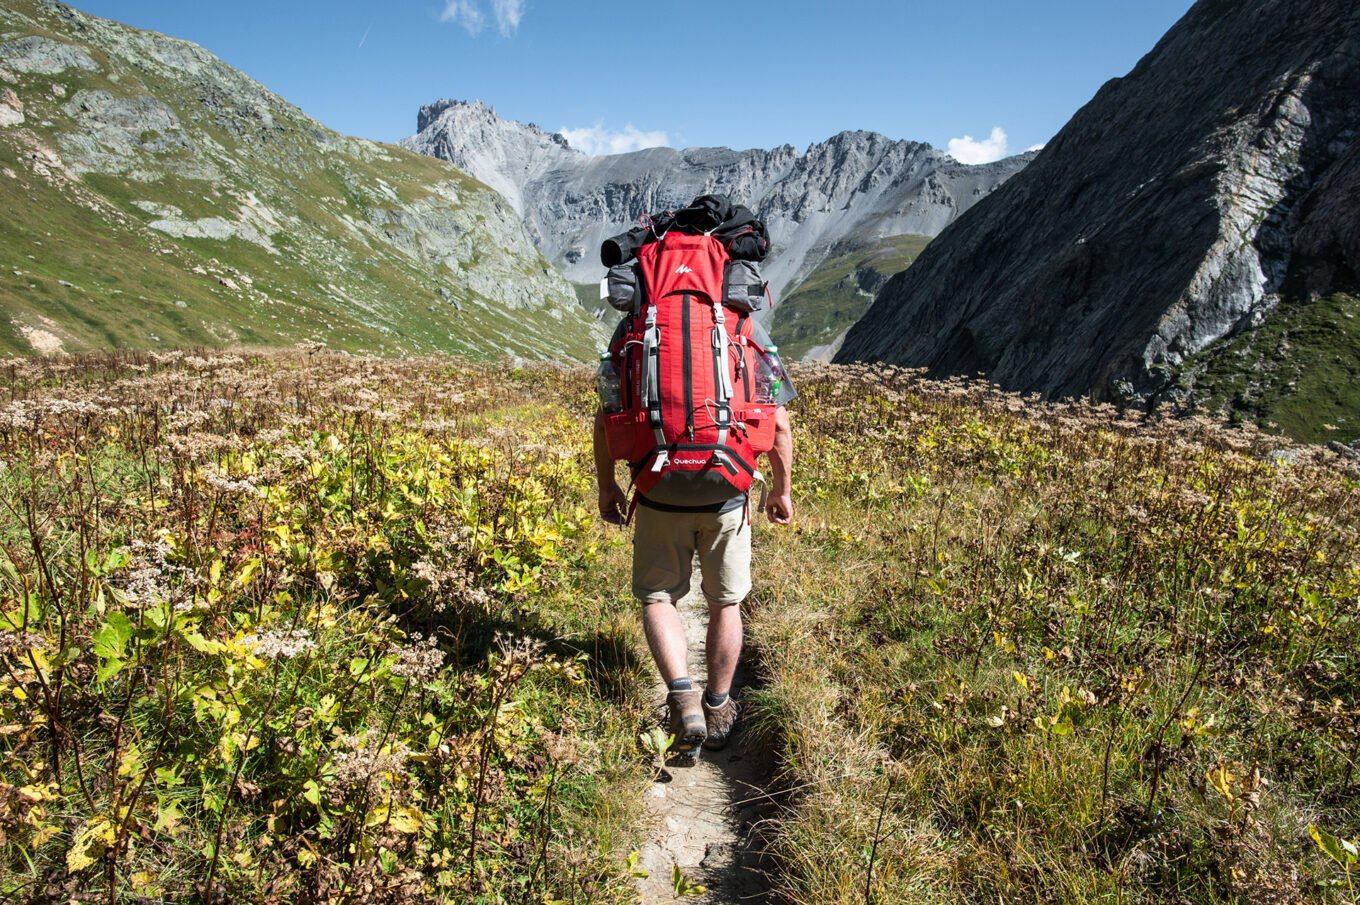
(155, 196)
(849, 191)
(1175, 210)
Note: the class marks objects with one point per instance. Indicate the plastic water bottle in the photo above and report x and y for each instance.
(769, 376)
(607, 383)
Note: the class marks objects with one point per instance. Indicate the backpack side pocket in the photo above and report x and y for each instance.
(743, 289)
(623, 289)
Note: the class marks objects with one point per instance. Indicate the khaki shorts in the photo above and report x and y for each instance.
(664, 545)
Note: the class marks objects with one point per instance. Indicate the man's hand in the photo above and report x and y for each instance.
(613, 503)
(779, 508)
(779, 504)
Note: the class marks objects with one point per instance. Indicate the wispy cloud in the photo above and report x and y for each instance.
(365, 37)
(466, 13)
(508, 14)
(471, 14)
(1038, 147)
(970, 150)
(597, 140)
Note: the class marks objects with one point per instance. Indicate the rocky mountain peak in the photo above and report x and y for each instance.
(854, 188)
(504, 154)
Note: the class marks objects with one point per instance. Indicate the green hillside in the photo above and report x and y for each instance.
(155, 197)
(1298, 373)
(835, 295)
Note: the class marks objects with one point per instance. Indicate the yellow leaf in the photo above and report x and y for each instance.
(1020, 679)
(167, 819)
(1220, 776)
(402, 818)
(89, 843)
(248, 570)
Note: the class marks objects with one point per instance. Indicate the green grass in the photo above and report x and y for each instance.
(1298, 373)
(829, 300)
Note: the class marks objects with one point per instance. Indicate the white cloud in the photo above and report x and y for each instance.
(1038, 147)
(969, 150)
(466, 13)
(598, 140)
(508, 14)
(472, 16)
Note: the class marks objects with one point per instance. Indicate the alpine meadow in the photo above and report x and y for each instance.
(309, 592)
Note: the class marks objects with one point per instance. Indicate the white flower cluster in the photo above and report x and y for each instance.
(276, 643)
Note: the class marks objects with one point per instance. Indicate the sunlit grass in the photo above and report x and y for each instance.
(1026, 652)
(301, 626)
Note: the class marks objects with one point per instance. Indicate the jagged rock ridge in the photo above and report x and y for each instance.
(852, 189)
(1173, 210)
(156, 196)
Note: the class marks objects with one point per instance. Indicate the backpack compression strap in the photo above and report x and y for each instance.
(651, 386)
(722, 381)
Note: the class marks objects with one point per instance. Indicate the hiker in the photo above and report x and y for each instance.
(692, 443)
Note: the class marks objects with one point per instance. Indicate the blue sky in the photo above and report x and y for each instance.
(743, 73)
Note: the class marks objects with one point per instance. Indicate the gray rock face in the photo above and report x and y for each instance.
(36, 55)
(116, 134)
(857, 186)
(1170, 212)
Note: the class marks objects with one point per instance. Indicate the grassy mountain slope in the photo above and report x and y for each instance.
(1298, 372)
(838, 292)
(158, 197)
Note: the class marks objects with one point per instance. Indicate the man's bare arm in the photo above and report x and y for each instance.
(779, 504)
(613, 501)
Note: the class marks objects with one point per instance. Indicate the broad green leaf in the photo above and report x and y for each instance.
(108, 669)
(111, 638)
(203, 645)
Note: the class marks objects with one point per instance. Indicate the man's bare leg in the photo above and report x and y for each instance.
(724, 647)
(666, 638)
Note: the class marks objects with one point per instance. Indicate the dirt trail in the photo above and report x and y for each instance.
(706, 817)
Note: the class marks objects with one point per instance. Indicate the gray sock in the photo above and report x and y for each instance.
(681, 684)
(715, 700)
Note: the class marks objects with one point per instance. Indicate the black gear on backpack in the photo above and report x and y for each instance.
(739, 230)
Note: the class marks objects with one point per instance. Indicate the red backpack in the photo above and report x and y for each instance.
(686, 361)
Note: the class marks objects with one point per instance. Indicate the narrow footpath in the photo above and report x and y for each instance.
(707, 818)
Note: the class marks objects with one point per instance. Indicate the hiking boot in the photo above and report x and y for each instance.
(687, 721)
(719, 721)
